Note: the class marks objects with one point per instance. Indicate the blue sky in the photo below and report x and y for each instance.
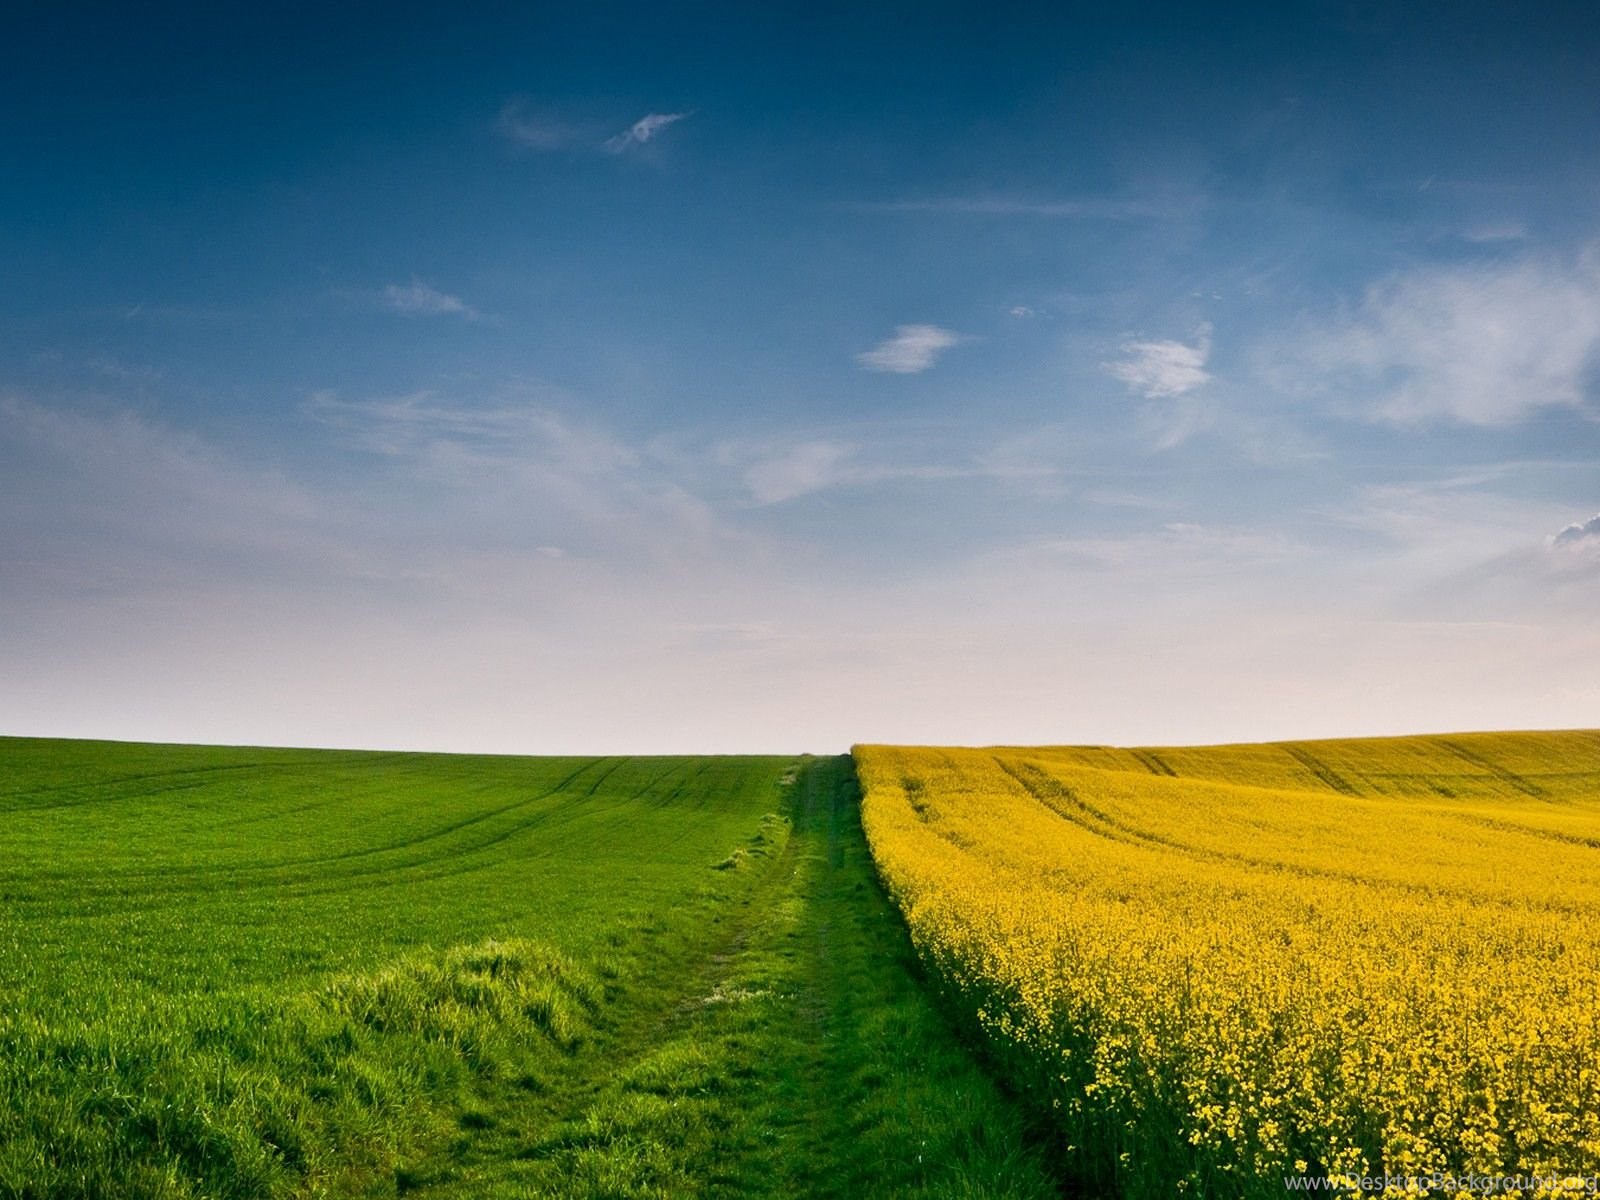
(774, 377)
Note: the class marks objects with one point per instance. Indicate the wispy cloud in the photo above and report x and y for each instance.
(1506, 573)
(1101, 209)
(1496, 231)
(644, 130)
(777, 472)
(122, 372)
(1171, 545)
(1482, 345)
(453, 440)
(912, 349)
(799, 470)
(482, 548)
(534, 129)
(1157, 370)
(417, 299)
(1463, 545)
(408, 593)
(104, 504)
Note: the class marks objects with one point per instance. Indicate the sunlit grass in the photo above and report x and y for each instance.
(243, 972)
(230, 973)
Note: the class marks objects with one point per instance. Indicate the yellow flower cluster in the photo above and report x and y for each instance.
(1226, 965)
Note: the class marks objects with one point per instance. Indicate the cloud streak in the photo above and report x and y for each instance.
(912, 350)
(535, 130)
(1011, 206)
(417, 299)
(646, 129)
(799, 470)
(546, 132)
(774, 473)
(1174, 544)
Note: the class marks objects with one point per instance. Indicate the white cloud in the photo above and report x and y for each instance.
(1162, 370)
(912, 349)
(645, 129)
(1571, 560)
(1021, 311)
(1586, 533)
(1480, 345)
(417, 299)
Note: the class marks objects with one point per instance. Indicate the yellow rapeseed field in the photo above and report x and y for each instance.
(1226, 965)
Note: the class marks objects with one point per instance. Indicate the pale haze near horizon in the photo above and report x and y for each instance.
(626, 382)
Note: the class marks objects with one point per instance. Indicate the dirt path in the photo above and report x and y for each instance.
(784, 1048)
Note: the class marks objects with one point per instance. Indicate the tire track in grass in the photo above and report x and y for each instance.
(1154, 763)
(115, 880)
(1320, 769)
(444, 861)
(122, 794)
(1509, 778)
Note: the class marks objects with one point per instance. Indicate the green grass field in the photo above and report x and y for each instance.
(250, 973)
